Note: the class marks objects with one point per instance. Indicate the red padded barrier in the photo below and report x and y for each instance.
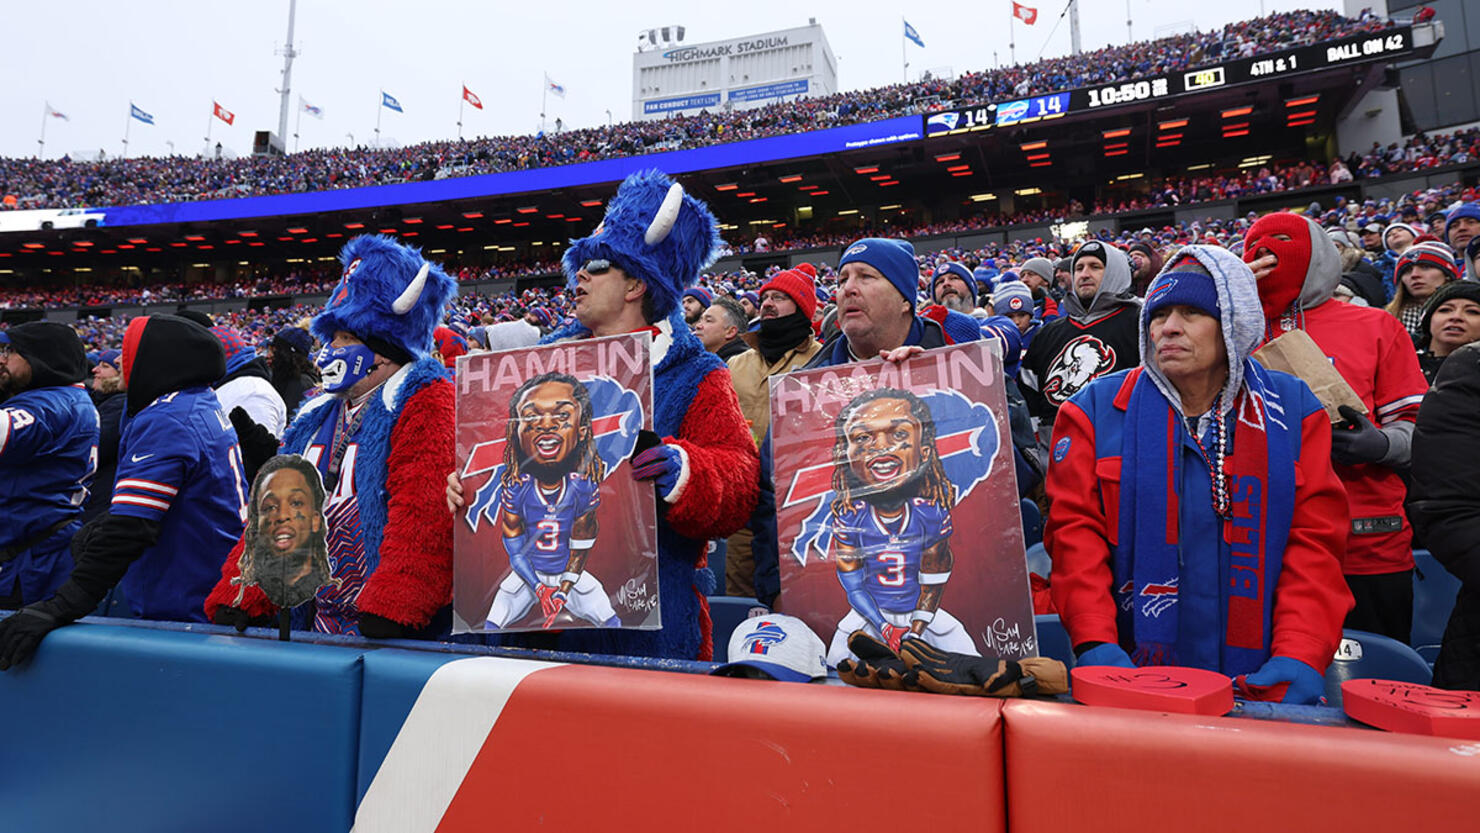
(604, 749)
(1074, 767)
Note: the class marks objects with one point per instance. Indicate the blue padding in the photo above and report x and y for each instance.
(131, 729)
(726, 613)
(1053, 639)
(1434, 592)
(393, 681)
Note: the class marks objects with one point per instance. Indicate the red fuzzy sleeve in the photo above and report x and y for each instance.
(719, 493)
(414, 577)
(1311, 599)
(254, 601)
(1081, 528)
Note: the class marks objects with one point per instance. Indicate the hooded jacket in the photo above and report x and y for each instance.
(1373, 353)
(1303, 597)
(48, 447)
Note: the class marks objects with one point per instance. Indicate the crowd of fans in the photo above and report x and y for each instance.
(67, 182)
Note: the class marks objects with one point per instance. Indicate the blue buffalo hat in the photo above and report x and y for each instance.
(895, 260)
(1184, 287)
(959, 271)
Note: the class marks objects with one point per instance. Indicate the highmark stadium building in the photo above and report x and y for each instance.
(744, 72)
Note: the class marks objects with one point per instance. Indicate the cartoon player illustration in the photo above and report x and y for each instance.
(285, 552)
(891, 524)
(548, 495)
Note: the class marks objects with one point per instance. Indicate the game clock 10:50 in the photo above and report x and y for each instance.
(1128, 92)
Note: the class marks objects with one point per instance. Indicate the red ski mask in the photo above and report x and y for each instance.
(131, 336)
(1281, 287)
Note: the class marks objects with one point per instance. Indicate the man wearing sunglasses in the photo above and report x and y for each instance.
(629, 276)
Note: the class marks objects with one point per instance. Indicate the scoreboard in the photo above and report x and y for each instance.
(1388, 44)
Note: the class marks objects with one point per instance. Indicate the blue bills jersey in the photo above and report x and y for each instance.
(336, 604)
(891, 549)
(549, 516)
(179, 464)
(48, 455)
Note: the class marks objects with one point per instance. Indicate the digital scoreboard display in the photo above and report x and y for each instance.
(1385, 45)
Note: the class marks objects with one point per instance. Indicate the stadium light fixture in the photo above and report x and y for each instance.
(125, 245)
(555, 216)
(521, 224)
(896, 182)
(1202, 167)
(466, 228)
(728, 186)
(139, 241)
(792, 178)
(983, 197)
(955, 168)
(1038, 145)
(1171, 125)
(957, 173)
(411, 221)
(807, 187)
(890, 207)
(183, 245)
(242, 233)
(572, 219)
(354, 225)
(498, 222)
(1233, 133)
(1301, 102)
(474, 215)
(253, 243)
(410, 234)
(1028, 192)
(820, 193)
(390, 230)
(1235, 112)
(590, 203)
(1116, 134)
(869, 169)
(948, 157)
(744, 195)
(757, 199)
(446, 226)
(196, 238)
(1043, 164)
(847, 211)
(291, 230)
(1303, 114)
(334, 235)
(1125, 177)
(83, 244)
(528, 209)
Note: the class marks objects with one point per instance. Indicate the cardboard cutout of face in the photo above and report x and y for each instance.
(285, 552)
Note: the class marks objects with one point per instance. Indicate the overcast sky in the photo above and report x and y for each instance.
(173, 58)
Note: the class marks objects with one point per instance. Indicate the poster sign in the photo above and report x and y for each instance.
(285, 551)
(555, 533)
(897, 507)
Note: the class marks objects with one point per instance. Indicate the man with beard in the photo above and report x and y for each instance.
(696, 299)
(783, 343)
(48, 454)
(953, 287)
(548, 495)
(891, 524)
(1096, 336)
(110, 401)
(1037, 274)
(1145, 264)
(285, 553)
(290, 361)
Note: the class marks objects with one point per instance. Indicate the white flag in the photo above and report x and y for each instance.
(554, 88)
(316, 112)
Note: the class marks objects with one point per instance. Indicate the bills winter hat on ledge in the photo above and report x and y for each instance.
(894, 259)
(780, 647)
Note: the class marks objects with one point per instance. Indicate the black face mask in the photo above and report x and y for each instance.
(777, 336)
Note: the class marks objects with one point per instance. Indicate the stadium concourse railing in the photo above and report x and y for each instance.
(123, 726)
(1391, 186)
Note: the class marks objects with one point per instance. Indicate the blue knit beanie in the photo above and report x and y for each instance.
(1184, 287)
(895, 260)
(700, 294)
(1011, 297)
(1468, 209)
(959, 271)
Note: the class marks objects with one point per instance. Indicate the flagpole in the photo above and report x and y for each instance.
(209, 124)
(377, 118)
(1012, 37)
(460, 101)
(544, 97)
(128, 123)
(297, 123)
(904, 64)
(45, 114)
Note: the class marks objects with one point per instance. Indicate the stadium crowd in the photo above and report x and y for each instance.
(64, 183)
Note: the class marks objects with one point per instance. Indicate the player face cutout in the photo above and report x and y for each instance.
(550, 426)
(883, 442)
(286, 511)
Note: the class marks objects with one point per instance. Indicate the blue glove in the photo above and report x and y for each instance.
(662, 464)
(1106, 653)
(1306, 684)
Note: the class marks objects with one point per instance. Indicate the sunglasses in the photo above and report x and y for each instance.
(597, 266)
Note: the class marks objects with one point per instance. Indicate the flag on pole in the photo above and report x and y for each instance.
(316, 112)
(909, 32)
(471, 99)
(136, 113)
(1026, 14)
(55, 113)
(222, 113)
(554, 88)
(388, 100)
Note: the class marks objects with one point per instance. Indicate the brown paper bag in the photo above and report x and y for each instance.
(1297, 354)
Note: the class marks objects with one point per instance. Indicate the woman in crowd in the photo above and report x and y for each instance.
(1451, 319)
(1420, 272)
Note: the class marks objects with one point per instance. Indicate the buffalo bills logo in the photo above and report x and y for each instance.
(1081, 360)
(856, 250)
(966, 440)
(764, 637)
(1157, 597)
(1060, 449)
(616, 417)
(1162, 287)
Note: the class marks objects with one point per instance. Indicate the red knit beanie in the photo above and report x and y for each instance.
(797, 285)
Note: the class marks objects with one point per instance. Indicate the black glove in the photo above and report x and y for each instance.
(240, 619)
(1357, 440)
(21, 633)
(258, 444)
(944, 672)
(877, 666)
(379, 627)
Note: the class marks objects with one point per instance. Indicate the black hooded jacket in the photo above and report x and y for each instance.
(53, 350)
(168, 354)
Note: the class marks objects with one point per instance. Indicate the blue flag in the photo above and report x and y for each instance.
(909, 32)
(135, 112)
(388, 100)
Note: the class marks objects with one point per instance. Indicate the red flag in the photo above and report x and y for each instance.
(470, 98)
(222, 113)
(1026, 14)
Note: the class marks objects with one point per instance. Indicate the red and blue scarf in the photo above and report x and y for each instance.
(1261, 482)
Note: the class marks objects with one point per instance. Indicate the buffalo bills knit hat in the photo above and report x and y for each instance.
(1011, 297)
(796, 285)
(895, 260)
(700, 294)
(1468, 209)
(780, 647)
(959, 271)
(112, 359)
(1187, 284)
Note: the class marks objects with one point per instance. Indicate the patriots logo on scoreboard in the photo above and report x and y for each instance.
(616, 419)
(945, 121)
(966, 439)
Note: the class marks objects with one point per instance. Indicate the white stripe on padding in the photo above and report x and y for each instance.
(437, 744)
